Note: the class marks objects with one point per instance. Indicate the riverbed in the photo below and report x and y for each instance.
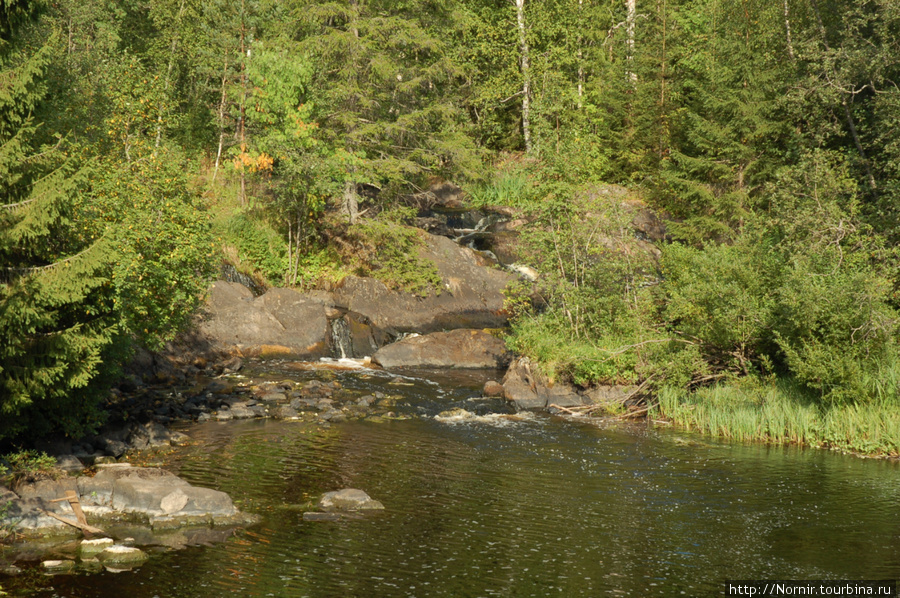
(507, 505)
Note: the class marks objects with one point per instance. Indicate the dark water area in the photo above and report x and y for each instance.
(499, 506)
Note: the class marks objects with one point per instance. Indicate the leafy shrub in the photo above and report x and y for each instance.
(22, 466)
(259, 246)
(389, 252)
(597, 281)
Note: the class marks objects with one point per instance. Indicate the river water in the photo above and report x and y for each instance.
(498, 506)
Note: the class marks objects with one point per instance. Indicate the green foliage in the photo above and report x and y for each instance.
(509, 186)
(20, 466)
(546, 339)
(163, 244)
(92, 253)
(803, 292)
(259, 247)
(52, 317)
(390, 253)
(596, 279)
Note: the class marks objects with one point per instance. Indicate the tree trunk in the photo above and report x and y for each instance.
(526, 75)
(350, 201)
(242, 137)
(580, 55)
(162, 104)
(787, 30)
(221, 119)
(630, 17)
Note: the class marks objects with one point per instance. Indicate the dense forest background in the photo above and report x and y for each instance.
(141, 139)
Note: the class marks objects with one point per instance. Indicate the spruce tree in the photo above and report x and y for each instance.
(52, 321)
(385, 92)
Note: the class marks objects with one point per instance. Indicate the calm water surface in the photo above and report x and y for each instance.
(539, 507)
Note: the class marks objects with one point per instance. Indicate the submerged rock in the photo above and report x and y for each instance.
(348, 499)
(122, 555)
(58, 566)
(313, 516)
(91, 548)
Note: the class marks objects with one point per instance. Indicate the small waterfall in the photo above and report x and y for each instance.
(229, 273)
(340, 339)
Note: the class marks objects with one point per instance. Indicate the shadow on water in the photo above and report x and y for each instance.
(500, 507)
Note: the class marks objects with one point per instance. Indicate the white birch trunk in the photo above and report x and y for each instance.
(162, 105)
(630, 17)
(787, 29)
(526, 75)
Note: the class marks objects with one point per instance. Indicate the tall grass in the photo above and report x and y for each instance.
(510, 187)
(784, 413)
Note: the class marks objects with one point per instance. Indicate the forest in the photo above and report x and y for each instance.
(145, 142)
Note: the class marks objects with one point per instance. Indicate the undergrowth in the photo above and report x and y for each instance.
(22, 466)
(389, 252)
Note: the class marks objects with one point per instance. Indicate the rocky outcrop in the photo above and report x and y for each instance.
(120, 492)
(528, 388)
(360, 316)
(280, 323)
(471, 297)
(455, 349)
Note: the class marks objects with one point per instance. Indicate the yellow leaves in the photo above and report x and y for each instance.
(261, 163)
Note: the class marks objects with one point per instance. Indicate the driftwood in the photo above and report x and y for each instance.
(566, 409)
(81, 522)
(589, 409)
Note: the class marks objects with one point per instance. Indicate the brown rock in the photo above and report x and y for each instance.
(528, 389)
(492, 388)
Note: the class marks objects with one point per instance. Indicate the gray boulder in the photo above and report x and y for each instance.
(149, 494)
(471, 297)
(461, 348)
(282, 322)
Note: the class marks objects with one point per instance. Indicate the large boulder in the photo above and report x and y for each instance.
(455, 349)
(281, 322)
(527, 388)
(152, 495)
(471, 297)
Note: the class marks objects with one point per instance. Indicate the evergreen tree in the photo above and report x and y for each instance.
(53, 320)
(385, 89)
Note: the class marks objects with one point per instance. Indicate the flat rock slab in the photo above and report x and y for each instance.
(455, 349)
(348, 499)
(150, 493)
(122, 555)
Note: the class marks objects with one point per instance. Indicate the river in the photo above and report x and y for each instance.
(499, 506)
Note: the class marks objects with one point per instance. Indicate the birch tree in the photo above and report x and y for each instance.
(525, 64)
